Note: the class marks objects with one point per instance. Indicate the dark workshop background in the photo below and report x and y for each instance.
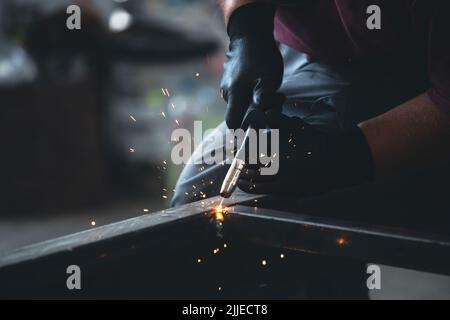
(86, 116)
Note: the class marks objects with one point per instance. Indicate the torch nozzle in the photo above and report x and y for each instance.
(231, 179)
(234, 172)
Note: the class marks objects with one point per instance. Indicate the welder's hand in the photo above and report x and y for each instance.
(254, 62)
(311, 160)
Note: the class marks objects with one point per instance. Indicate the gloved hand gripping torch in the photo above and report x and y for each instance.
(253, 120)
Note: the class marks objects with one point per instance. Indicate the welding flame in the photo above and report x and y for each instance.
(218, 212)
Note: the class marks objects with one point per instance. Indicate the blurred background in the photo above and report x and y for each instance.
(86, 115)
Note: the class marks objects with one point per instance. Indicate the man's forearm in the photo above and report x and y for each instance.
(228, 6)
(412, 135)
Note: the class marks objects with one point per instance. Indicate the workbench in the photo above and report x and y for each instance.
(266, 247)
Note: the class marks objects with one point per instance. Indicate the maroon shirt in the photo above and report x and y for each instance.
(335, 31)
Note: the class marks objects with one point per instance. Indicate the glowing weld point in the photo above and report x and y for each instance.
(282, 256)
(219, 211)
(146, 210)
(219, 216)
(264, 263)
(93, 223)
(199, 260)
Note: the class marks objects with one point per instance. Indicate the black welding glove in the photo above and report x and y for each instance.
(311, 160)
(253, 60)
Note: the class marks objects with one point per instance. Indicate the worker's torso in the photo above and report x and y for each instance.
(337, 31)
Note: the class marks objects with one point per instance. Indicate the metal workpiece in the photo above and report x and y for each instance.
(394, 246)
(103, 234)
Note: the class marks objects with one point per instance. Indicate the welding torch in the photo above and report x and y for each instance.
(253, 119)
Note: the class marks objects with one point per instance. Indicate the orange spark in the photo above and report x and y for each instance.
(341, 242)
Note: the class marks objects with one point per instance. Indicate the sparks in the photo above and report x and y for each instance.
(132, 118)
(165, 92)
(163, 114)
(219, 212)
(341, 242)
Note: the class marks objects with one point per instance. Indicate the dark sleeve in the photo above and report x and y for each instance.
(439, 55)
